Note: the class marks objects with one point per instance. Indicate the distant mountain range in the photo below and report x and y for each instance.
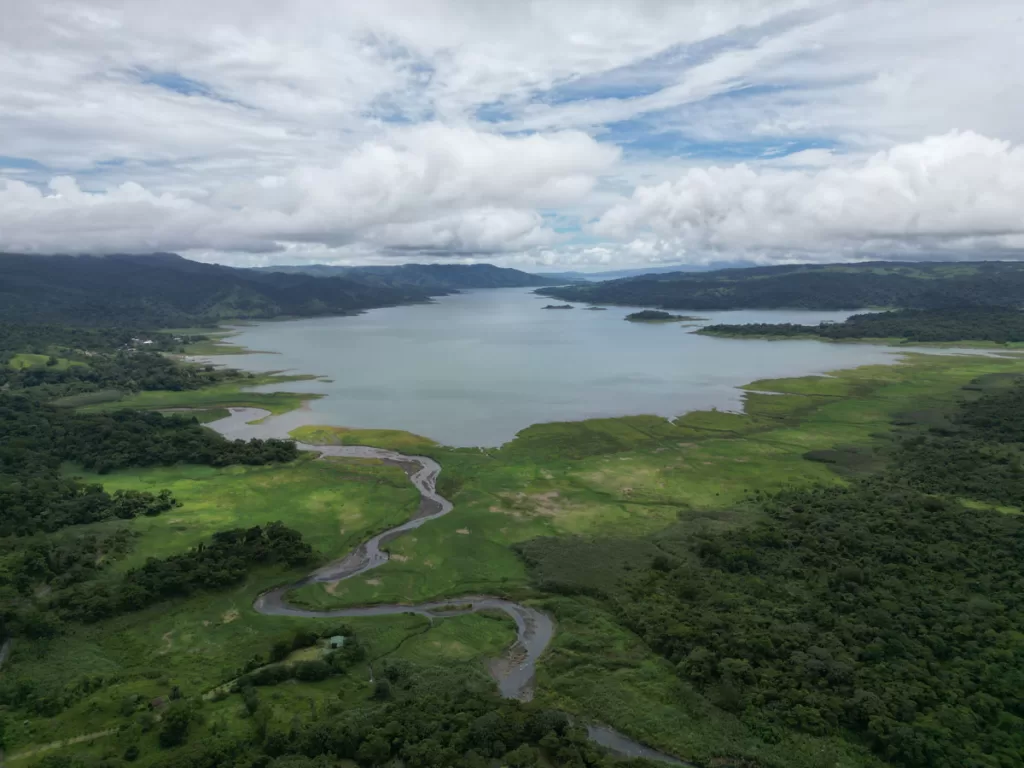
(441, 278)
(620, 273)
(921, 285)
(164, 290)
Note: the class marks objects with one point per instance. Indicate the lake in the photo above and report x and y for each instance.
(474, 368)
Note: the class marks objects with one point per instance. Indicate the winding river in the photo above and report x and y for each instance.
(534, 629)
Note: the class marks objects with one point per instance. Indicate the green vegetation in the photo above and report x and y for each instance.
(29, 360)
(231, 392)
(166, 291)
(334, 504)
(636, 475)
(921, 285)
(984, 324)
(392, 439)
(656, 316)
(35, 439)
(635, 483)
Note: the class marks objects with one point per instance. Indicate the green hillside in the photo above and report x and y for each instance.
(924, 285)
(433, 277)
(165, 290)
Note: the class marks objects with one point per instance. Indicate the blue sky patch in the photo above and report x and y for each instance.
(25, 163)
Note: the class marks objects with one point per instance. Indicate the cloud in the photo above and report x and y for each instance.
(429, 187)
(952, 191)
(453, 128)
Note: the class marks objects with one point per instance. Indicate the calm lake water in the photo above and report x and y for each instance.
(475, 368)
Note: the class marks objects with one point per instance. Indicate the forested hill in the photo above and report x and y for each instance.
(165, 290)
(925, 285)
(994, 324)
(432, 277)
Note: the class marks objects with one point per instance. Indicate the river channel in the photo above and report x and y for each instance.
(534, 629)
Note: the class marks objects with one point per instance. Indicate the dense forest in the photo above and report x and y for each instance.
(420, 717)
(167, 291)
(994, 324)
(887, 611)
(838, 286)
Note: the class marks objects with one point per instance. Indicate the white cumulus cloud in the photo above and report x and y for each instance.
(431, 187)
(960, 189)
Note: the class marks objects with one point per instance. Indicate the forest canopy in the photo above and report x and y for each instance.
(999, 325)
(921, 285)
(887, 611)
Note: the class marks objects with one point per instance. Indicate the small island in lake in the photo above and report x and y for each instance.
(597, 309)
(558, 306)
(657, 316)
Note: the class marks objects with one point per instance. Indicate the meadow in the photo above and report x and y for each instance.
(24, 360)
(234, 393)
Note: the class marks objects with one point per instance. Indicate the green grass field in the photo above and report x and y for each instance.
(334, 504)
(230, 393)
(29, 360)
(392, 439)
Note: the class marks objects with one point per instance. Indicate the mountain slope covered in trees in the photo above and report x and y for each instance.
(924, 285)
(165, 290)
(430, 277)
(993, 324)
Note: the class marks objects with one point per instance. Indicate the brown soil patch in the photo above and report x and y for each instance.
(398, 558)
(547, 503)
(373, 582)
(229, 616)
(463, 531)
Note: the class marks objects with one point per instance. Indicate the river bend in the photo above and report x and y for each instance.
(534, 629)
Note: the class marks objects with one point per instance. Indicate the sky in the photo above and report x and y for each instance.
(547, 136)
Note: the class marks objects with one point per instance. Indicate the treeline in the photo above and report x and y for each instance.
(49, 582)
(35, 439)
(167, 291)
(224, 562)
(921, 325)
(124, 371)
(45, 339)
(835, 286)
(885, 611)
(420, 717)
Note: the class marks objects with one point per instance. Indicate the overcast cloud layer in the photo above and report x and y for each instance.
(543, 135)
